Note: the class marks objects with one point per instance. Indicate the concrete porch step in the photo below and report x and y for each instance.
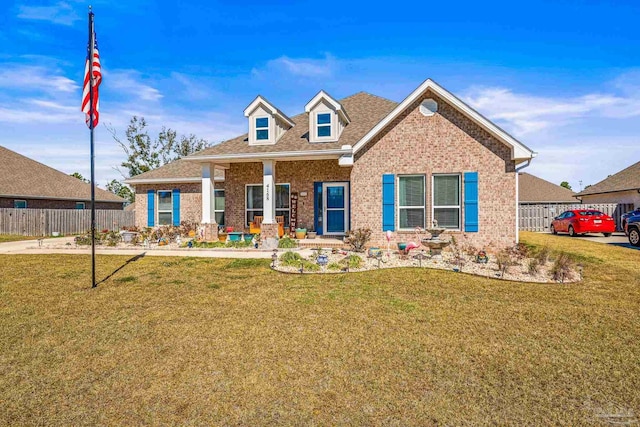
(321, 242)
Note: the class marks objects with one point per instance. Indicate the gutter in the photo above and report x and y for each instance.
(345, 150)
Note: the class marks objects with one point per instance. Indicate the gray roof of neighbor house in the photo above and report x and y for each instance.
(23, 177)
(532, 189)
(626, 179)
(181, 169)
(365, 111)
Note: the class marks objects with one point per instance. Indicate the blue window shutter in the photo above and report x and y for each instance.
(471, 202)
(388, 202)
(176, 206)
(317, 212)
(151, 209)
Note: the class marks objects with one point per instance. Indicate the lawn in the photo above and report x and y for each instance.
(15, 238)
(210, 342)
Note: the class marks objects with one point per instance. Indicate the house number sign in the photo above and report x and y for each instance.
(293, 218)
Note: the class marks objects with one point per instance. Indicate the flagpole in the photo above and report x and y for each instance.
(91, 128)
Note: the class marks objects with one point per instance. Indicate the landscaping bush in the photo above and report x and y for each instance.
(533, 267)
(287, 243)
(358, 238)
(352, 261)
(543, 255)
(562, 267)
(290, 258)
(309, 265)
(505, 259)
(334, 266)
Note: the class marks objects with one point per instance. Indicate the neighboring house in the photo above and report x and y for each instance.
(359, 162)
(622, 188)
(25, 183)
(534, 190)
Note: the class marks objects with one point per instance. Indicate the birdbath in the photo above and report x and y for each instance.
(434, 243)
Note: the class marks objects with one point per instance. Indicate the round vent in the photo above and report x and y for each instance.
(428, 107)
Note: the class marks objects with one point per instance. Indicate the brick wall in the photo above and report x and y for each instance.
(7, 202)
(446, 142)
(190, 200)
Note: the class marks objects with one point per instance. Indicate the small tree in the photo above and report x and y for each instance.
(120, 189)
(565, 184)
(80, 177)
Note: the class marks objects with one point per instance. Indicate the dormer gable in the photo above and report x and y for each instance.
(327, 118)
(267, 124)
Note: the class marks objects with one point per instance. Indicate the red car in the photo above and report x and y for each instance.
(580, 221)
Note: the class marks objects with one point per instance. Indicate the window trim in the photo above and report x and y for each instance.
(157, 207)
(84, 206)
(330, 125)
(246, 210)
(215, 211)
(19, 200)
(424, 205)
(459, 206)
(267, 128)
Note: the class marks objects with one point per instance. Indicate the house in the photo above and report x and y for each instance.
(25, 183)
(534, 190)
(622, 188)
(359, 162)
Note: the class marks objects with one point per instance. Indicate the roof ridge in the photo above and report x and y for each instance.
(364, 92)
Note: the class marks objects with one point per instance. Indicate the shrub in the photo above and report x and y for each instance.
(334, 266)
(543, 255)
(358, 238)
(352, 261)
(309, 265)
(534, 266)
(520, 251)
(287, 242)
(505, 259)
(113, 238)
(562, 266)
(290, 258)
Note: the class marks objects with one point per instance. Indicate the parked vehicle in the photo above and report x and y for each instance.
(625, 217)
(580, 221)
(632, 229)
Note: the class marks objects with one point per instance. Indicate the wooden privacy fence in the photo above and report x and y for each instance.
(44, 222)
(538, 216)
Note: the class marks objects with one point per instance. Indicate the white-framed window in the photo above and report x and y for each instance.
(262, 128)
(323, 125)
(80, 205)
(219, 206)
(411, 201)
(446, 200)
(165, 207)
(254, 206)
(20, 204)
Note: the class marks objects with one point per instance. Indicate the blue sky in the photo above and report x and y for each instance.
(561, 76)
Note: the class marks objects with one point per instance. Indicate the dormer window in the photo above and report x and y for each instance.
(267, 124)
(323, 125)
(327, 118)
(262, 128)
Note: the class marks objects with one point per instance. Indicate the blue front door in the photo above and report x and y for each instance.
(335, 208)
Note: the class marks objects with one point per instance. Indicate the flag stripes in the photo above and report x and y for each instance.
(95, 73)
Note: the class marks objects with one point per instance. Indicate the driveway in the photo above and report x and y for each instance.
(616, 239)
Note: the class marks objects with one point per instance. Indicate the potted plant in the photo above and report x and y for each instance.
(311, 234)
(301, 233)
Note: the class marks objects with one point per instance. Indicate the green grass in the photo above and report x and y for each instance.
(15, 238)
(214, 341)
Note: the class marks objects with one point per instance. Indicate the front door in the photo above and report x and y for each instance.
(335, 211)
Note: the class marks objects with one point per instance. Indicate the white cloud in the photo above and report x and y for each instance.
(524, 114)
(60, 13)
(35, 78)
(131, 82)
(301, 67)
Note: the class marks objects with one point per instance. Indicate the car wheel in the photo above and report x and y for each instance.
(634, 237)
(572, 232)
(553, 230)
(607, 234)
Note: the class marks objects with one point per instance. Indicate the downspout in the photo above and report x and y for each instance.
(518, 169)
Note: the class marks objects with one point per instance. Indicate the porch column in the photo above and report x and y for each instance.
(208, 194)
(209, 226)
(268, 191)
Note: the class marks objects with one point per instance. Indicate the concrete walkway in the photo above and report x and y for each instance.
(33, 247)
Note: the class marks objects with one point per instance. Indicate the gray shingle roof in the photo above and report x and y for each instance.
(23, 177)
(626, 179)
(532, 189)
(177, 169)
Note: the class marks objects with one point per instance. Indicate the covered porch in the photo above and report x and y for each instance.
(275, 197)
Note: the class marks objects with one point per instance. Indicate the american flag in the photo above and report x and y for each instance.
(97, 79)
